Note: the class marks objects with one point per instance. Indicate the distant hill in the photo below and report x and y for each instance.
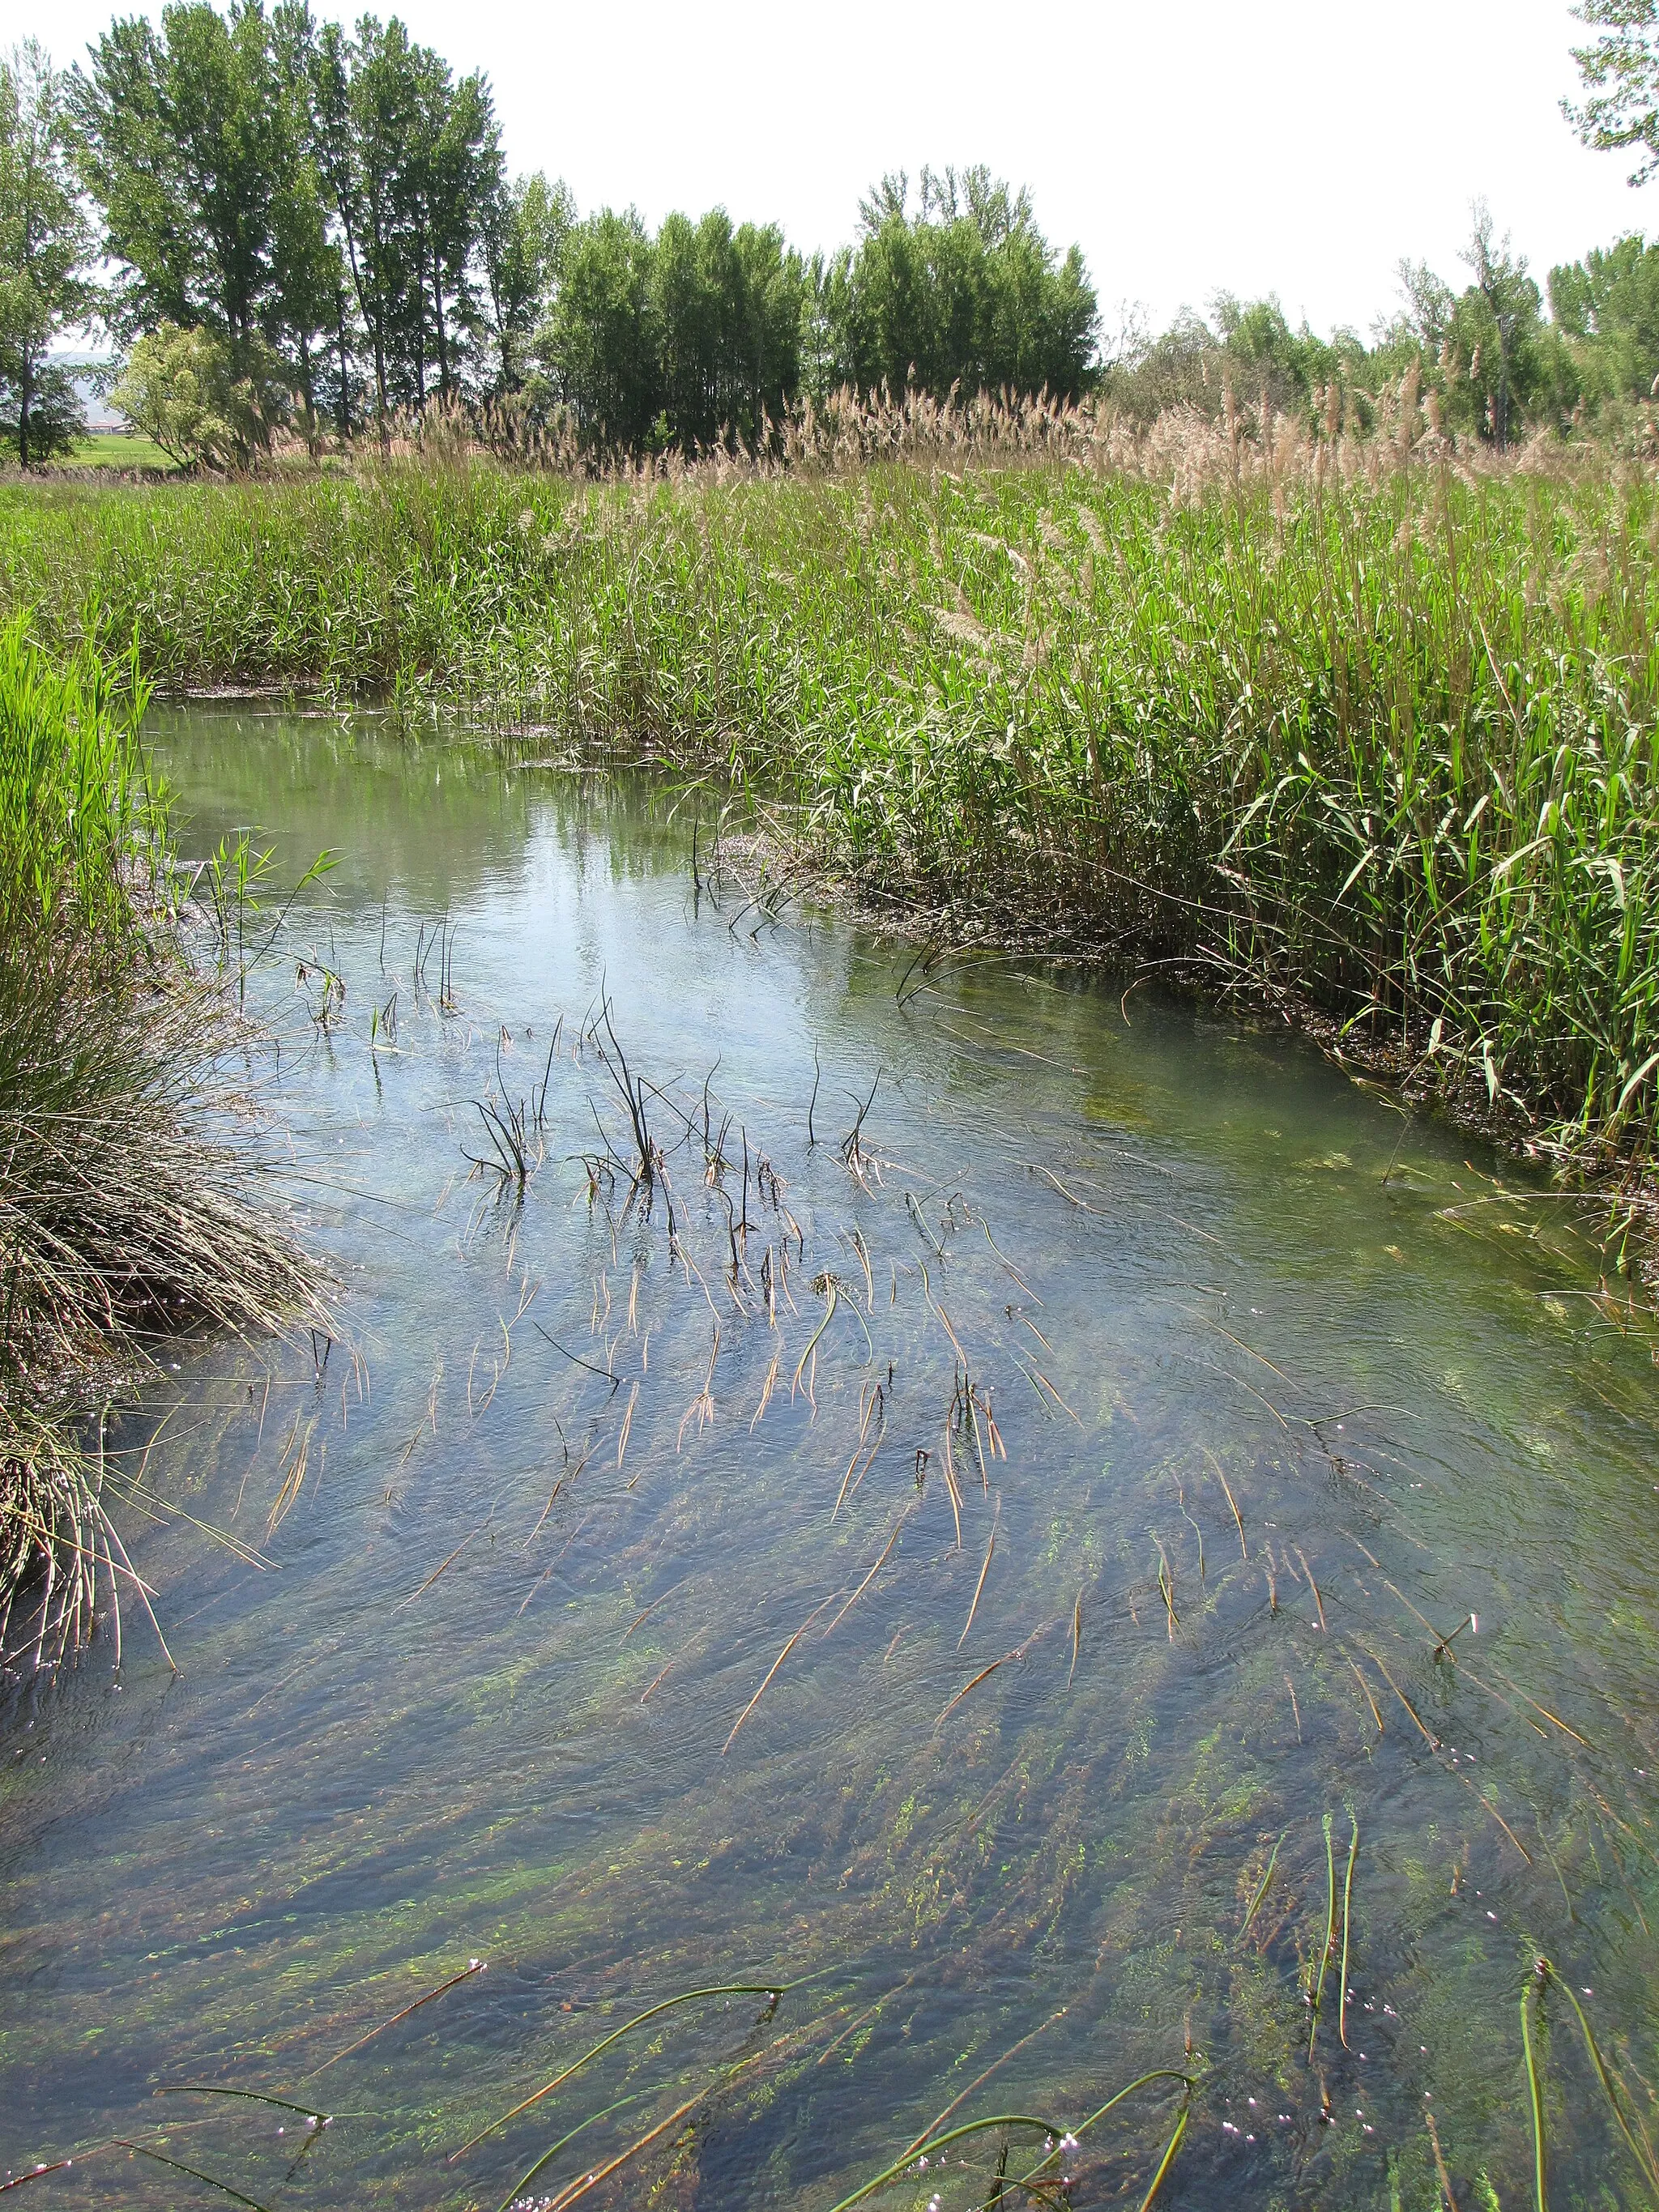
(100, 415)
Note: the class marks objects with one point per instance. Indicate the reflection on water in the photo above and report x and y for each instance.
(948, 1573)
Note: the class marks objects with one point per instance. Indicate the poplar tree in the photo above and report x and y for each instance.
(44, 239)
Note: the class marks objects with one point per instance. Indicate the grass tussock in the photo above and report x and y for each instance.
(1358, 724)
(124, 1204)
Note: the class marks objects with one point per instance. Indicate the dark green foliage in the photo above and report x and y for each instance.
(56, 416)
(179, 137)
(44, 236)
(1607, 306)
(965, 292)
(679, 338)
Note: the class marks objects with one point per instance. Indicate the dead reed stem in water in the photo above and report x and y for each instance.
(627, 1423)
(979, 2081)
(1432, 1741)
(640, 1618)
(1019, 1652)
(870, 1577)
(772, 1670)
(767, 1387)
(1366, 1687)
(985, 1570)
(578, 2189)
(1440, 2163)
(1166, 1587)
(438, 1571)
(472, 1966)
(1318, 1600)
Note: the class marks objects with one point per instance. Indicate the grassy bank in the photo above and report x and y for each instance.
(123, 1209)
(1352, 724)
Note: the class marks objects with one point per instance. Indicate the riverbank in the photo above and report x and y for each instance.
(1361, 730)
(125, 1210)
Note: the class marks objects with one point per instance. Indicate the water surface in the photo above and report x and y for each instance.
(1097, 1447)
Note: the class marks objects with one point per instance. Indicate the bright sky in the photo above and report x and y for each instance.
(1294, 146)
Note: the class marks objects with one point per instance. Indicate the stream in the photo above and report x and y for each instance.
(966, 1549)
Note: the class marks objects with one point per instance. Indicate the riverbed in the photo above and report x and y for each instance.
(1008, 1528)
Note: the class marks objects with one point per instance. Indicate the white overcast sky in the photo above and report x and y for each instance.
(1294, 146)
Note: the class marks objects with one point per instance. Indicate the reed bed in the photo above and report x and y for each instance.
(126, 1207)
(1359, 726)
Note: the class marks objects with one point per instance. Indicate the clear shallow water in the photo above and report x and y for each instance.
(473, 1694)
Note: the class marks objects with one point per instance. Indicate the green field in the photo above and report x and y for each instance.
(116, 449)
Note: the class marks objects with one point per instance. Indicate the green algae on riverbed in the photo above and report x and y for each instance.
(475, 1706)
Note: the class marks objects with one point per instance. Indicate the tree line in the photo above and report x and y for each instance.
(283, 221)
(291, 217)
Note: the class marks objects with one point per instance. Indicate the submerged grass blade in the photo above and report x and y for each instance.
(1262, 1889)
(569, 2136)
(210, 2181)
(1347, 1901)
(1169, 2157)
(771, 1990)
(1534, 1988)
(1641, 2152)
(1316, 1991)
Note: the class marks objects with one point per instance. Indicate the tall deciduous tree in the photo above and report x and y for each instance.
(965, 291)
(1620, 71)
(44, 239)
(523, 233)
(412, 165)
(181, 142)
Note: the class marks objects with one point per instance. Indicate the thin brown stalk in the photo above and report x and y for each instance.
(627, 1423)
(1370, 1700)
(1440, 2163)
(985, 1570)
(772, 1670)
(766, 1391)
(472, 1966)
(640, 1618)
(1432, 1741)
(438, 1571)
(978, 2083)
(1244, 1548)
(575, 2190)
(870, 1577)
(1318, 1600)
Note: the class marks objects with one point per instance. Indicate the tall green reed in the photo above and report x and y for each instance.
(1362, 728)
(125, 1207)
(79, 812)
